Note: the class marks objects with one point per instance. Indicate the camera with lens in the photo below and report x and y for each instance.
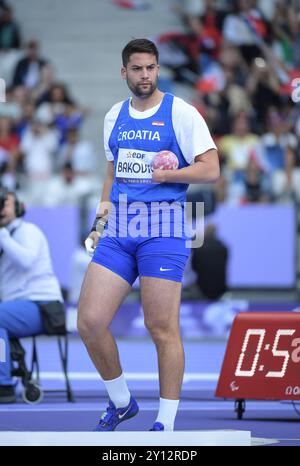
(3, 196)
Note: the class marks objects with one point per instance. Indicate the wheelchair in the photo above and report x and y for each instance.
(32, 391)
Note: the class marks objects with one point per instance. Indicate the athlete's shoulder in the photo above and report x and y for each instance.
(183, 107)
(114, 111)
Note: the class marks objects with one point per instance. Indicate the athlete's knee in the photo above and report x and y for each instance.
(161, 330)
(83, 327)
(89, 325)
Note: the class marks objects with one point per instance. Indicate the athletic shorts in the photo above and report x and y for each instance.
(161, 257)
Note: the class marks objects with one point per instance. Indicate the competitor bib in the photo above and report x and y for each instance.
(134, 166)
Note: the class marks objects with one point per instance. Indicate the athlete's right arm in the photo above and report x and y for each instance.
(102, 209)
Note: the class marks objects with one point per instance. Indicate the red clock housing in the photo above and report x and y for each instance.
(262, 358)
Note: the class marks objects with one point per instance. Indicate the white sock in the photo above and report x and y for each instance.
(167, 413)
(118, 391)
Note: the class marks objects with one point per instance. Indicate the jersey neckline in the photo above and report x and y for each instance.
(137, 114)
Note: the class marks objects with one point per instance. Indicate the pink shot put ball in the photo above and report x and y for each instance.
(165, 160)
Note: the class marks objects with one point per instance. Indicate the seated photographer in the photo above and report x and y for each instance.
(28, 285)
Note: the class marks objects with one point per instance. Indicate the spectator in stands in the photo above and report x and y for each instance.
(227, 100)
(238, 59)
(210, 264)
(71, 117)
(78, 153)
(28, 69)
(39, 145)
(10, 37)
(279, 148)
(236, 147)
(206, 28)
(55, 98)
(20, 95)
(67, 188)
(215, 12)
(45, 83)
(10, 155)
(257, 187)
(295, 43)
(245, 27)
(232, 60)
(9, 144)
(60, 108)
(285, 29)
(263, 87)
(27, 116)
(192, 52)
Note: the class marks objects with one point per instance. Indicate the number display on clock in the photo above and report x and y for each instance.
(262, 358)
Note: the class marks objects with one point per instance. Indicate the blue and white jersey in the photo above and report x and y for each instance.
(133, 138)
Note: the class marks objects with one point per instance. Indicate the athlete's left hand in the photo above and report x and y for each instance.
(159, 176)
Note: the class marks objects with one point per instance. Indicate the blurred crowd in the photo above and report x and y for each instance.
(42, 153)
(240, 60)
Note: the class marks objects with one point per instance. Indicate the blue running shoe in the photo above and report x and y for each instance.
(158, 426)
(113, 416)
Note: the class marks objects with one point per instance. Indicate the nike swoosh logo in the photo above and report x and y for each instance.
(164, 270)
(122, 415)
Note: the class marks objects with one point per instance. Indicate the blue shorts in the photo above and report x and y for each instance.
(130, 257)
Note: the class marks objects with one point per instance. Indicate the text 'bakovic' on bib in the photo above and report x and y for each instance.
(134, 166)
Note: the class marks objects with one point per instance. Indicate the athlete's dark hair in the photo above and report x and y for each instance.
(138, 46)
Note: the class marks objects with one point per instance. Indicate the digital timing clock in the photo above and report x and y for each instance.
(262, 358)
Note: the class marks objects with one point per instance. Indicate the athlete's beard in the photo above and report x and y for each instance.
(138, 91)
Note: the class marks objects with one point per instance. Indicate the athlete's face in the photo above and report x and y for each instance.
(141, 74)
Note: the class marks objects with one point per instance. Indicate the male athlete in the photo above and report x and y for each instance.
(135, 131)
